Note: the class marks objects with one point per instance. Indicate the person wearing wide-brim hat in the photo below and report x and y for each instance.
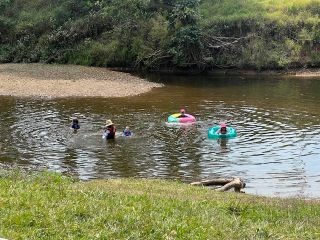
(109, 122)
(110, 130)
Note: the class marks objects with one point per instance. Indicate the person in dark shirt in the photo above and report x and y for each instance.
(75, 124)
(110, 130)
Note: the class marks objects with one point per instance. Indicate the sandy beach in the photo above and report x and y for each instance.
(59, 81)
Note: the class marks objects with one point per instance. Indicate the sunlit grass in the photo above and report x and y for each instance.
(277, 10)
(49, 206)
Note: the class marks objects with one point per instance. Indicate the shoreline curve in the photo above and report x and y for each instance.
(62, 81)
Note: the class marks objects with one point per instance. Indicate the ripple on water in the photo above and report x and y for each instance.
(276, 151)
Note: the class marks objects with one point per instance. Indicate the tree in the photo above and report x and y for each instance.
(186, 46)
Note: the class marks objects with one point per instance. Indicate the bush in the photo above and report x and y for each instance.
(162, 33)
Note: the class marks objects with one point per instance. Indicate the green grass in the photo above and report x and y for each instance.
(281, 11)
(50, 206)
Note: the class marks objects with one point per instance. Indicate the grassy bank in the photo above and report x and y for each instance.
(263, 34)
(49, 206)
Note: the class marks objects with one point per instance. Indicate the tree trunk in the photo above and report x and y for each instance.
(235, 183)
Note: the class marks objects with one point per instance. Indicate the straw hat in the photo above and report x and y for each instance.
(109, 123)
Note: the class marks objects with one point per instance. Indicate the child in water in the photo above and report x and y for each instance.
(126, 132)
(182, 113)
(223, 129)
(75, 124)
(109, 130)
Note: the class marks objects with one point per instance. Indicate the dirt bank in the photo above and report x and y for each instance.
(283, 73)
(58, 81)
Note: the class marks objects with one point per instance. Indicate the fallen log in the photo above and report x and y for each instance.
(235, 183)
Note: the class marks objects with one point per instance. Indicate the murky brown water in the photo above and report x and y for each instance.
(277, 151)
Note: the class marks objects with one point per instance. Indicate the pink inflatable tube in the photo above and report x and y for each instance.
(175, 118)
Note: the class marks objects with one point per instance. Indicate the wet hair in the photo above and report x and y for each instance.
(75, 120)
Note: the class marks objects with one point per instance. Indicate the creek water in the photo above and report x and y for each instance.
(276, 152)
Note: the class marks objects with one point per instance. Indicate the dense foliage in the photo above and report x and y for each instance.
(162, 34)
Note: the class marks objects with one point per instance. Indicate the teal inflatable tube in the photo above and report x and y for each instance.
(212, 133)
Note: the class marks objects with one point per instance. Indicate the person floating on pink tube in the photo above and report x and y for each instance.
(181, 117)
(182, 113)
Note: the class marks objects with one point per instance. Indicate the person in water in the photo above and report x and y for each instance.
(110, 130)
(126, 132)
(223, 129)
(75, 124)
(182, 113)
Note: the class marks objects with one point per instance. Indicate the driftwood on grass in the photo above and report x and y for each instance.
(227, 184)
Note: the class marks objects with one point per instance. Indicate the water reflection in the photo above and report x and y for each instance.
(223, 144)
(276, 150)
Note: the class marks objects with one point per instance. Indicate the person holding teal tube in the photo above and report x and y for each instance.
(223, 129)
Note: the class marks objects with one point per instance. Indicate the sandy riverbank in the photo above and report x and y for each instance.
(58, 81)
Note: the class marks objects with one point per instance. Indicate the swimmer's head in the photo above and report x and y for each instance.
(223, 125)
(109, 123)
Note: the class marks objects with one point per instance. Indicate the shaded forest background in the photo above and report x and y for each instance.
(162, 34)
